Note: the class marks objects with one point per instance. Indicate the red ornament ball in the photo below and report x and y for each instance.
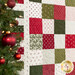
(9, 39)
(11, 3)
(17, 56)
(2, 61)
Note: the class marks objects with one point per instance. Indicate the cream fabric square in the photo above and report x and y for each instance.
(70, 54)
(35, 57)
(70, 27)
(21, 21)
(70, 13)
(57, 2)
(35, 10)
(48, 1)
(48, 26)
(59, 41)
(48, 56)
(19, 7)
(58, 70)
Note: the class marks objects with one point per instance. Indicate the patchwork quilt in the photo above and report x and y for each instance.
(49, 36)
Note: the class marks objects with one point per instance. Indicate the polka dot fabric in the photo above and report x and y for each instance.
(59, 12)
(48, 41)
(48, 26)
(21, 50)
(47, 11)
(70, 41)
(35, 10)
(51, 35)
(35, 57)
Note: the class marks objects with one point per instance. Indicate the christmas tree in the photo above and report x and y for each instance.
(10, 62)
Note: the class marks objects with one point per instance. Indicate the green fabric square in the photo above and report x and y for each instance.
(35, 41)
(36, 70)
(36, 1)
(70, 2)
(59, 55)
(47, 11)
(59, 27)
(18, 14)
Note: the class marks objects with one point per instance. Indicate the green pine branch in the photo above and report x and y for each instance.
(11, 65)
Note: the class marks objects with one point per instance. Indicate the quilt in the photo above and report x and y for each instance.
(49, 36)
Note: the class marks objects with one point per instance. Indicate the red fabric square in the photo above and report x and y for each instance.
(35, 26)
(73, 72)
(21, 50)
(21, 1)
(59, 12)
(22, 35)
(49, 69)
(70, 41)
(48, 41)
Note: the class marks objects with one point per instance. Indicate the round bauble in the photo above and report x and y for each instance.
(2, 61)
(11, 3)
(9, 39)
(5, 4)
(17, 56)
(3, 32)
(8, 32)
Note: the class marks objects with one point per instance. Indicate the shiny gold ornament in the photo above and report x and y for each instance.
(10, 49)
(67, 66)
(2, 57)
(11, 25)
(8, 32)
(5, 4)
(3, 32)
